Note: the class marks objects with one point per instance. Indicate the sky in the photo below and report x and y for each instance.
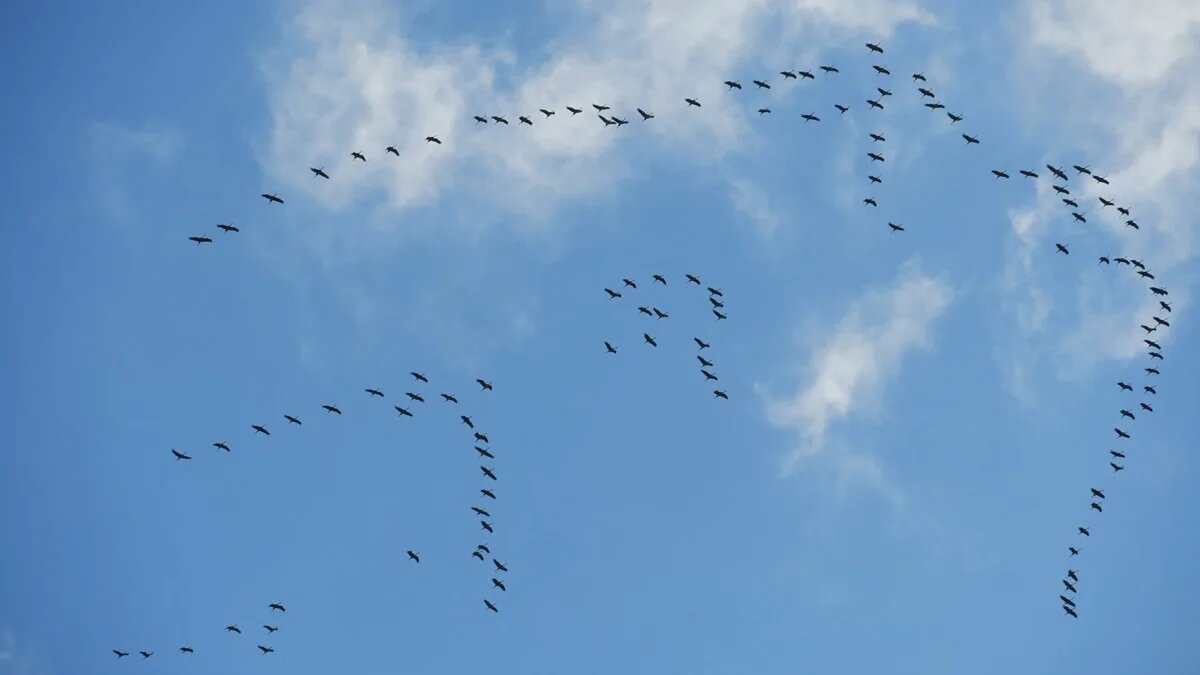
(914, 418)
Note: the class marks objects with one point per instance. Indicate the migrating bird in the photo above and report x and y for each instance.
(1069, 586)
(733, 84)
(841, 108)
(1097, 507)
(954, 118)
(482, 438)
(483, 386)
(925, 93)
(646, 311)
(619, 121)
(1120, 433)
(659, 313)
(645, 115)
(1097, 493)
(270, 629)
(1072, 575)
(629, 282)
(935, 106)
(919, 76)
(488, 493)
(547, 113)
(1066, 600)
(609, 349)
(449, 399)
(498, 584)
(146, 655)
(120, 653)
(719, 315)
(272, 198)
(179, 455)
(467, 421)
(1078, 216)
(704, 362)
(701, 343)
(232, 628)
(761, 85)
(1124, 386)
(870, 202)
(1156, 355)
(878, 138)
(1119, 455)
(875, 179)
(1158, 291)
(485, 525)
(332, 408)
(874, 47)
(433, 139)
(499, 565)
(1062, 248)
(694, 102)
(359, 155)
(1126, 413)
(477, 554)
(882, 92)
(1146, 407)
(881, 70)
(1152, 371)
(1071, 202)
(970, 139)
(809, 76)
(525, 120)
(1150, 390)
(403, 412)
(277, 607)
(876, 157)
(481, 512)
(319, 173)
(221, 446)
(480, 120)
(895, 227)
(200, 240)
(260, 429)
(649, 340)
(717, 393)
(692, 279)
(809, 117)
(830, 69)
(1029, 174)
(227, 227)
(708, 375)
(874, 104)
(1104, 202)
(1070, 611)
(392, 149)
(1082, 170)
(714, 291)
(265, 650)
(1084, 531)
(500, 120)
(999, 174)
(1100, 179)
(483, 452)
(1104, 260)
(293, 420)
(374, 392)
(413, 556)
(490, 606)
(574, 111)
(1073, 550)
(660, 279)
(1058, 173)
(186, 650)
(488, 472)
(419, 377)
(1152, 343)
(1116, 467)
(612, 294)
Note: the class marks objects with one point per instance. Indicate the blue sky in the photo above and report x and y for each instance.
(914, 418)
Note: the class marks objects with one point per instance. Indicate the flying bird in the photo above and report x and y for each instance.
(333, 409)
(841, 108)
(717, 393)
(895, 227)
(1062, 248)
(277, 607)
(500, 120)
(970, 139)
(881, 70)
(1097, 493)
(481, 437)
(258, 428)
(874, 47)
(612, 294)
(1120, 433)
(403, 412)
(999, 174)
(692, 279)
(830, 69)
(1124, 386)
(547, 113)
(574, 111)
(1097, 507)
(875, 104)
(186, 650)
(483, 386)
(525, 120)
(419, 377)
(694, 102)
(919, 76)
(488, 493)
(954, 118)
(120, 653)
(870, 202)
(392, 149)
(481, 512)
(708, 375)
(265, 650)
(1116, 467)
(485, 525)
(809, 117)
(319, 173)
(649, 340)
(659, 313)
(201, 240)
(270, 629)
(1084, 531)
(733, 84)
(499, 565)
(480, 120)
(227, 227)
(498, 584)
(1119, 455)
(488, 472)
(359, 155)
(449, 399)
(146, 655)
(761, 85)
(701, 343)
(660, 279)
(179, 455)
(809, 76)
(272, 198)
(1029, 174)
(374, 392)
(467, 421)
(483, 452)
(490, 606)
(935, 106)
(609, 349)
(1058, 173)
(433, 139)
(233, 629)
(293, 420)
(719, 315)
(413, 556)
(645, 115)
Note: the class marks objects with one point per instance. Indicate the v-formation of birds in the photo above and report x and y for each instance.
(268, 630)
(875, 155)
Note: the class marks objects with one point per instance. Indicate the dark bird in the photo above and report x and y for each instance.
(483, 386)
(332, 408)
(1123, 211)
(265, 650)
(1084, 532)
(483, 547)
(715, 302)
(477, 554)
(319, 173)
(449, 399)
(1150, 390)
(227, 227)
(483, 452)
(919, 76)
(1097, 507)
(1104, 260)
(874, 180)
(925, 93)
(1058, 173)
(481, 512)
(809, 117)
(646, 311)
(1078, 216)
(392, 149)
(761, 85)
(1066, 600)
(1156, 355)
(547, 113)
(419, 377)
(1070, 611)
(830, 69)
(875, 157)
(525, 120)
(954, 118)
(881, 70)
(120, 653)
(1104, 202)
(1070, 202)
(500, 120)
(787, 74)
(1062, 248)
(1126, 413)
(607, 122)
(704, 362)
(234, 629)
(717, 393)
(488, 493)
(359, 155)
(413, 556)
(485, 525)
(1114, 453)
(1120, 433)
(404, 412)
(433, 139)
(574, 111)
(694, 102)
(270, 629)
(612, 293)
(498, 584)
(619, 121)
(1028, 174)
(277, 607)
(1124, 386)
(186, 650)
(970, 139)
(870, 202)
(1146, 407)
(258, 428)
(883, 92)
(292, 420)
(874, 47)
(708, 375)
(1073, 550)
(482, 438)
(660, 279)
(1116, 467)
(499, 565)
(808, 75)
(272, 198)
(179, 455)
(719, 315)
(692, 279)
(1100, 179)
(467, 421)
(1073, 576)
(733, 84)
(146, 655)
(895, 227)
(488, 472)
(999, 174)
(878, 138)
(374, 392)
(480, 120)
(1162, 322)
(629, 282)
(645, 115)
(1121, 261)
(935, 106)
(649, 340)
(490, 606)
(1068, 585)
(659, 313)
(1082, 170)
(1158, 291)
(874, 104)
(609, 349)
(701, 343)
(1152, 343)
(841, 108)
(1152, 371)
(201, 240)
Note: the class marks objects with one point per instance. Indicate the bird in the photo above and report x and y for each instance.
(1082, 170)
(1100, 179)
(265, 650)
(1104, 202)
(277, 607)
(874, 47)
(883, 92)
(498, 584)
(483, 547)
(1073, 550)
(1116, 467)
(293, 420)
(1071, 202)
(875, 179)
(1152, 343)
(270, 629)
(881, 70)
(484, 386)
(878, 138)
(841, 108)
(1097, 507)
(419, 377)
(1068, 585)
(1078, 216)
(999, 174)
(704, 362)
(477, 554)
(1029, 174)
(483, 452)
(874, 104)
(970, 139)
(692, 279)
(392, 149)
(870, 202)
(488, 493)
(1084, 531)
(547, 113)
(1121, 433)
(1126, 413)
(201, 240)
(1156, 355)
(701, 343)
(232, 628)
(1066, 600)
(694, 102)
(403, 412)
(919, 76)
(1070, 611)
(733, 84)
(186, 650)
(935, 106)
(414, 397)
(646, 311)
(1104, 260)
(659, 313)
(574, 111)
(480, 120)
(612, 294)
(809, 117)
(481, 512)
(485, 525)
(1152, 371)
(490, 606)
(499, 565)
(179, 455)
(787, 74)
(433, 139)
(954, 118)
(500, 120)
(1150, 390)
(1125, 386)
(719, 315)
(227, 227)
(412, 555)
(715, 302)
(488, 472)
(1072, 575)
(717, 393)
(1058, 173)
(649, 340)
(926, 93)
(272, 198)
(645, 115)
(332, 408)
(629, 282)
(449, 399)
(374, 392)
(260, 429)
(359, 155)
(761, 85)
(120, 653)
(609, 349)
(1119, 455)
(467, 421)
(708, 375)
(146, 655)
(1158, 291)
(1123, 211)
(525, 120)
(319, 173)
(1062, 248)
(895, 227)
(660, 279)
(481, 437)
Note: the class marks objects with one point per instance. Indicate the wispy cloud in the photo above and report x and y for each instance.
(850, 368)
(752, 201)
(156, 142)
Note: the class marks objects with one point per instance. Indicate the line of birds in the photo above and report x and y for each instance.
(232, 628)
(716, 298)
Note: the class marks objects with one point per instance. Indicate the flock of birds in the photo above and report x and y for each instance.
(875, 102)
(716, 298)
(231, 628)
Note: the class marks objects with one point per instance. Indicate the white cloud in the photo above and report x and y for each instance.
(849, 371)
(156, 142)
(753, 202)
(343, 83)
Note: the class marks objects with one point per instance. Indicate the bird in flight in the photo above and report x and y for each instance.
(272, 198)
(488, 493)
(717, 393)
(332, 408)
(733, 84)
(374, 392)
(277, 607)
(232, 628)
(660, 279)
(490, 606)
(895, 227)
(694, 103)
(874, 47)
(809, 117)
(481, 437)
(612, 294)
(970, 139)
(403, 412)
(1062, 248)
(293, 420)
(609, 349)
(830, 69)
(186, 650)
(1120, 433)
(1029, 174)
(146, 655)
(881, 70)
(488, 472)
(414, 397)
(260, 429)
(201, 240)
(270, 629)
(701, 343)
(179, 455)
(954, 118)
(392, 149)
(120, 653)
(227, 227)
(467, 421)
(498, 584)
(265, 650)
(841, 108)
(433, 139)
(483, 452)
(649, 340)
(693, 279)
(413, 556)
(999, 174)
(499, 565)
(359, 155)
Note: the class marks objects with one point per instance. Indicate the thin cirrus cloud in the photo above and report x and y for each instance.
(851, 367)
